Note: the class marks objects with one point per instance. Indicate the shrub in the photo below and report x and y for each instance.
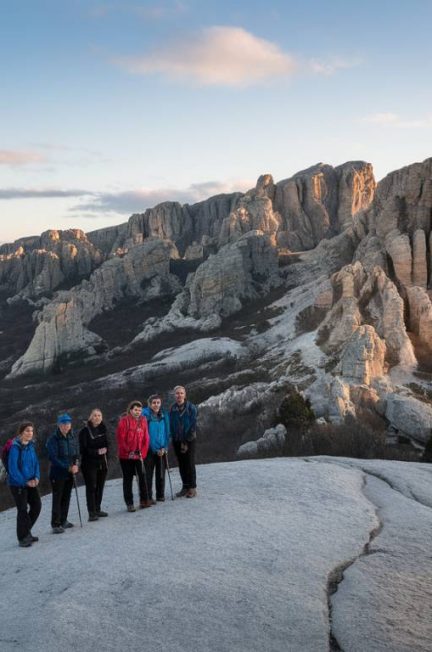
(295, 412)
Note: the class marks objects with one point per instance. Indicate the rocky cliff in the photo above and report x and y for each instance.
(320, 280)
(35, 267)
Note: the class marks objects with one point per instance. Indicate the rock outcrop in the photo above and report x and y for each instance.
(142, 273)
(363, 355)
(361, 298)
(35, 267)
(321, 202)
(239, 272)
(420, 318)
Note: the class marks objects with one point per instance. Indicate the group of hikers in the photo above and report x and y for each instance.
(143, 435)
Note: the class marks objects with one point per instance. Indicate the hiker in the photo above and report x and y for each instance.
(183, 415)
(23, 479)
(93, 442)
(159, 433)
(63, 452)
(133, 443)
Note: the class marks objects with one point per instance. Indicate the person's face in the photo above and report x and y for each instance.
(96, 418)
(155, 405)
(65, 428)
(27, 435)
(180, 396)
(136, 411)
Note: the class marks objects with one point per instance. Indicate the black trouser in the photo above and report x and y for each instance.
(94, 478)
(154, 461)
(61, 493)
(186, 462)
(131, 468)
(24, 496)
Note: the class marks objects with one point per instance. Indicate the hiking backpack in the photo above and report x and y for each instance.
(4, 460)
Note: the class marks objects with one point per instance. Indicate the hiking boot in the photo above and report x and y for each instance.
(191, 493)
(161, 499)
(131, 508)
(101, 513)
(57, 529)
(183, 491)
(26, 542)
(145, 503)
(66, 525)
(33, 539)
(93, 516)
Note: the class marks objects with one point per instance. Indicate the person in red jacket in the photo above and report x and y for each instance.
(133, 443)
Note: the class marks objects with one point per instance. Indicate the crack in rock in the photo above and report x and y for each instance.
(412, 495)
(336, 575)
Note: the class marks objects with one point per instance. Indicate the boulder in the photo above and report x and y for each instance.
(409, 416)
(271, 443)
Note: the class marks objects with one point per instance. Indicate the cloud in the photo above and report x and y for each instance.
(36, 193)
(216, 56)
(136, 201)
(331, 66)
(20, 157)
(394, 120)
(127, 201)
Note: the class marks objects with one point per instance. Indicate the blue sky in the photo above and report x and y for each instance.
(108, 107)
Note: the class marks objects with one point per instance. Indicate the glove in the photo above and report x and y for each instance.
(183, 447)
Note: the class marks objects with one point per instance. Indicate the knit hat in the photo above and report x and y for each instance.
(64, 418)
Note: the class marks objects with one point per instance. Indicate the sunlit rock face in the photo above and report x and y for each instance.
(33, 267)
(363, 356)
(361, 298)
(322, 201)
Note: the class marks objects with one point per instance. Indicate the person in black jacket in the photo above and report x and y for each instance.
(63, 452)
(93, 441)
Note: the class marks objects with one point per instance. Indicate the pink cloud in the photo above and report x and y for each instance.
(19, 157)
(219, 56)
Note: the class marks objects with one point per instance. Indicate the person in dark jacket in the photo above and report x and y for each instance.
(133, 443)
(63, 452)
(23, 480)
(93, 441)
(159, 433)
(183, 416)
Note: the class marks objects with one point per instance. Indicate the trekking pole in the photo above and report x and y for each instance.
(144, 478)
(76, 494)
(169, 475)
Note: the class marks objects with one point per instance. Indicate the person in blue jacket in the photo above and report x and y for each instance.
(159, 433)
(63, 452)
(183, 423)
(23, 480)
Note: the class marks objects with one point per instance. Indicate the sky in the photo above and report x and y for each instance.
(110, 107)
